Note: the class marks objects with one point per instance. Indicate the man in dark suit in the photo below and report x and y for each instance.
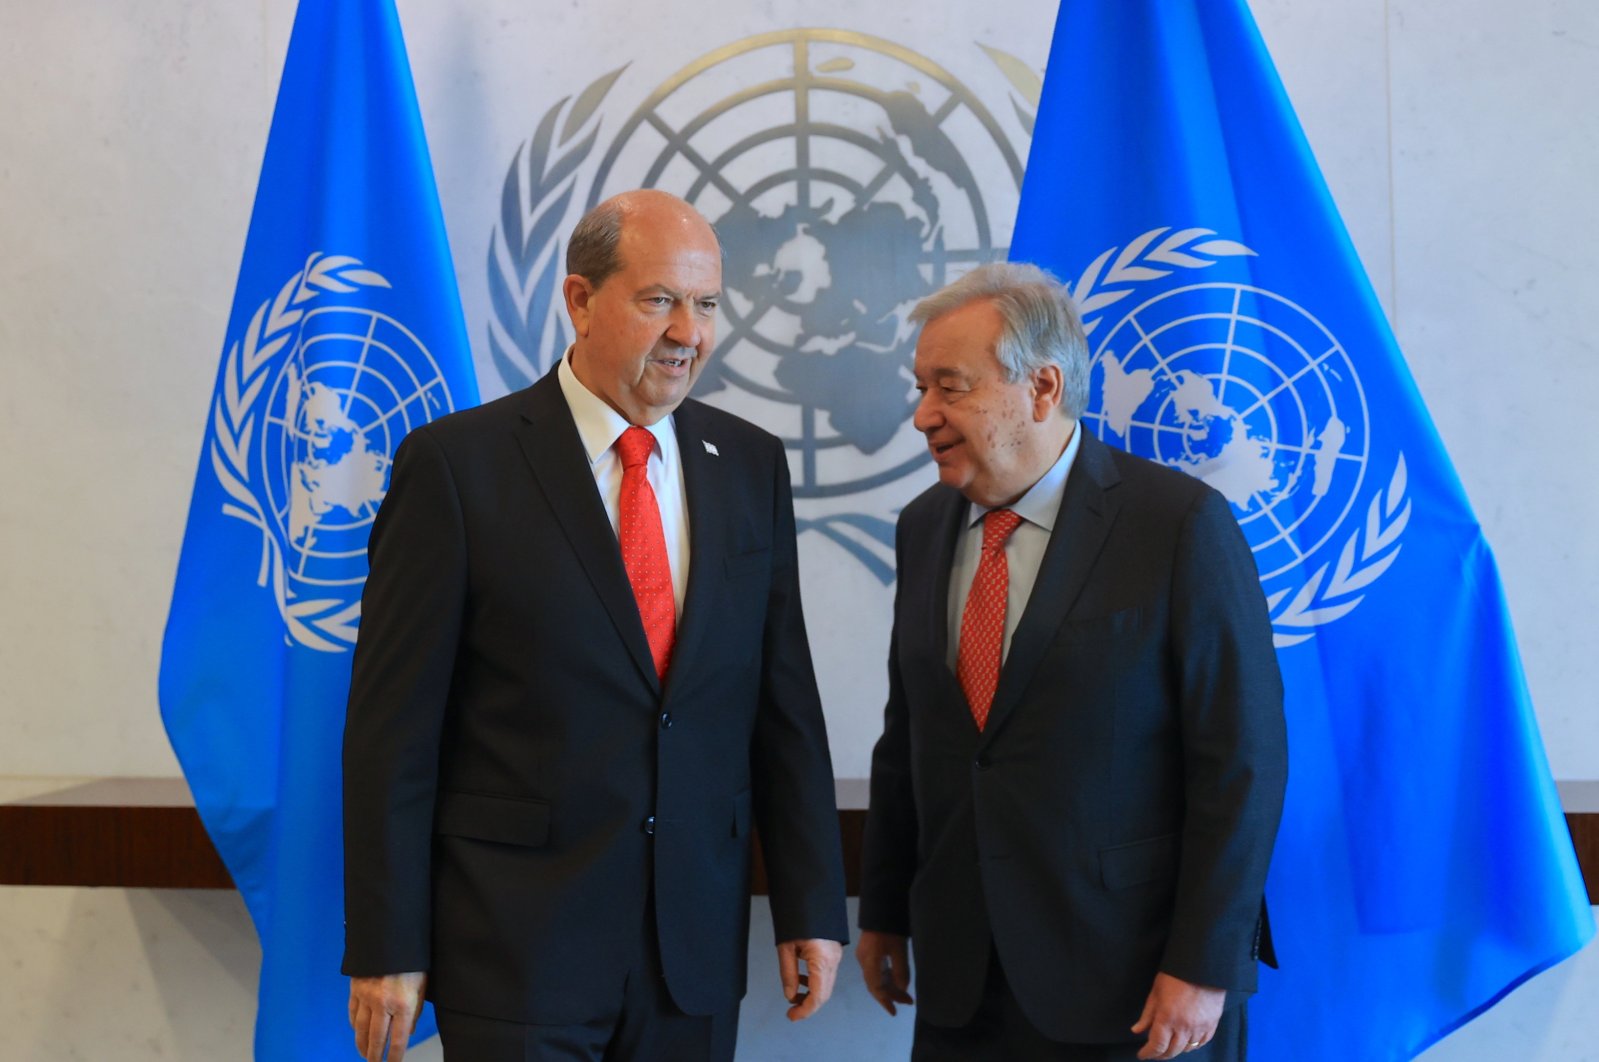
(1078, 785)
(582, 677)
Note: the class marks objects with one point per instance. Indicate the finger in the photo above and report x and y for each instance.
(788, 970)
(405, 1016)
(1178, 1044)
(900, 969)
(358, 1023)
(1146, 1018)
(819, 981)
(880, 985)
(377, 1031)
(1161, 1041)
(400, 1034)
(353, 1008)
(805, 1007)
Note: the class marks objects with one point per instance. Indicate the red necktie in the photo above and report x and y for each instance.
(644, 547)
(983, 621)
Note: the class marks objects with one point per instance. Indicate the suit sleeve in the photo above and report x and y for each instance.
(888, 855)
(792, 770)
(410, 621)
(1235, 756)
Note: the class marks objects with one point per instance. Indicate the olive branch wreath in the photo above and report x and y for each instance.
(534, 199)
(1332, 590)
(322, 623)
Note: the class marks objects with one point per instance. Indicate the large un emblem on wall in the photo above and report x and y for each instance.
(842, 174)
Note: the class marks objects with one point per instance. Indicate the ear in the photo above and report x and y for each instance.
(1046, 388)
(579, 294)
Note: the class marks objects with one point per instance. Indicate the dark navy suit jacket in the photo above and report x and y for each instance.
(1116, 816)
(516, 778)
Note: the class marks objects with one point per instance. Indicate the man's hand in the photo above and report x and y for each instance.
(886, 966)
(821, 958)
(383, 1010)
(1178, 1017)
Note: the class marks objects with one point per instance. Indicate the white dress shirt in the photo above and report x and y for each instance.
(1024, 550)
(599, 426)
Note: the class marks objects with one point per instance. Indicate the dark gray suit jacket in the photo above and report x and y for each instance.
(1116, 816)
(516, 779)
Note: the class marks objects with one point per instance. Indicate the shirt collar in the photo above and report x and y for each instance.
(598, 425)
(1041, 504)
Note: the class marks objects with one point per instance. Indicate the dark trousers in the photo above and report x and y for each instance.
(1000, 1032)
(644, 1030)
(644, 1025)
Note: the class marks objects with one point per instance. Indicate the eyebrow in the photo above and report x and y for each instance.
(662, 289)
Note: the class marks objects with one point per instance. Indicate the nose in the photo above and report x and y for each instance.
(684, 329)
(927, 416)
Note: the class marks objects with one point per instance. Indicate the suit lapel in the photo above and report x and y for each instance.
(1087, 510)
(554, 451)
(947, 519)
(706, 488)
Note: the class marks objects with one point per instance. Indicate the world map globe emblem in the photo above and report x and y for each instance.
(839, 171)
(1252, 394)
(355, 383)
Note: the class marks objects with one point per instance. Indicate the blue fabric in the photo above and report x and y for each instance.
(1423, 866)
(346, 331)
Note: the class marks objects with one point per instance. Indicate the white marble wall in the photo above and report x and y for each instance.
(1459, 139)
(1457, 136)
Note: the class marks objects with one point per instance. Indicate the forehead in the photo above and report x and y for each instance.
(679, 253)
(964, 341)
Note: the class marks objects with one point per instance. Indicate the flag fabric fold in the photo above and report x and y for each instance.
(1423, 868)
(345, 333)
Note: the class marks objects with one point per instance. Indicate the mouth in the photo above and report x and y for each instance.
(674, 365)
(940, 450)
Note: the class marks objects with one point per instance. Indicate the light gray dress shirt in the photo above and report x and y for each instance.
(1024, 550)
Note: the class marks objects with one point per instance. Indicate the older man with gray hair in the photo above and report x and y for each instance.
(1081, 771)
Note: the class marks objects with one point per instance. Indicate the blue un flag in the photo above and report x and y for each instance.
(345, 333)
(1423, 867)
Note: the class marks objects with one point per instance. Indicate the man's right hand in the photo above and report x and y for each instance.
(383, 1010)
(886, 965)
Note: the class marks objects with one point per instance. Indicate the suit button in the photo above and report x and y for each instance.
(982, 763)
(666, 720)
(649, 825)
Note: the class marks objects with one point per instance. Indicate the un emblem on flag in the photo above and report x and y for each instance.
(1249, 391)
(316, 396)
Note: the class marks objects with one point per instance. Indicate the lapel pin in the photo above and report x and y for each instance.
(710, 448)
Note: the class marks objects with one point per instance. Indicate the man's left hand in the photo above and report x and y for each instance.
(808, 990)
(1178, 1016)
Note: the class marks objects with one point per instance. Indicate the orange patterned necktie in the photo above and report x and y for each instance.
(983, 621)
(644, 547)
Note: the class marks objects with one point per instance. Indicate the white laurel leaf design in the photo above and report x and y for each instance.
(538, 190)
(323, 624)
(1028, 83)
(1368, 552)
(1097, 287)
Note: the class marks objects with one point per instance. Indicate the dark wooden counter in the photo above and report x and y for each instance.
(145, 833)
(128, 832)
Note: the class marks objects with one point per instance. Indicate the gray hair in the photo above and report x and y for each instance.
(1041, 323)
(592, 252)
